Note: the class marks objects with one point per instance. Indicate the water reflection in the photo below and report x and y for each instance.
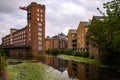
(79, 71)
(84, 71)
(59, 64)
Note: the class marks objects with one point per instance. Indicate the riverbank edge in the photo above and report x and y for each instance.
(81, 59)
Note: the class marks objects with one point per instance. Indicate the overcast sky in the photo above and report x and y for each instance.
(61, 15)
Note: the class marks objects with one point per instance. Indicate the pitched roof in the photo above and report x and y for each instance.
(72, 30)
(85, 23)
(99, 17)
(59, 36)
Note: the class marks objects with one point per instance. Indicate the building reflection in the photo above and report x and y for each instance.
(84, 71)
(77, 70)
(59, 64)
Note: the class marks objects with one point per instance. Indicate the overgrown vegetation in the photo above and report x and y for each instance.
(105, 34)
(33, 71)
(68, 52)
(2, 60)
(80, 59)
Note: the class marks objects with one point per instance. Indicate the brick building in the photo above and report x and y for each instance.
(81, 35)
(47, 43)
(30, 39)
(56, 42)
(72, 39)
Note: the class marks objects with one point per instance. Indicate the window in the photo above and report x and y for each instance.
(37, 14)
(39, 48)
(39, 33)
(39, 29)
(29, 39)
(41, 19)
(38, 10)
(39, 38)
(39, 24)
(29, 34)
(39, 43)
(41, 15)
(41, 11)
(37, 19)
(29, 25)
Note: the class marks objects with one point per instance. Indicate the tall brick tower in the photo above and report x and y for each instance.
(36, 27)
(31, 38)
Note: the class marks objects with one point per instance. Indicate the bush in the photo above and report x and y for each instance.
(80, 53)
(84, 53)
(68, 52)
(47, 51)
(76, 53)
(54, 51)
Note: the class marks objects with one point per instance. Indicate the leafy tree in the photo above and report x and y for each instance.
(106, 34)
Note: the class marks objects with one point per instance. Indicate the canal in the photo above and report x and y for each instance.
(67, 70)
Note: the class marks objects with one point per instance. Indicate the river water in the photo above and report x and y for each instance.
(76, 70)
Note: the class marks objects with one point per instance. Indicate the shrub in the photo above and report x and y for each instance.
(55, 51)
(76, 53)
(84, 54)
(68, 51)
(48, 51)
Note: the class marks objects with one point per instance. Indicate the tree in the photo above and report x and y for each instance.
(105, 34)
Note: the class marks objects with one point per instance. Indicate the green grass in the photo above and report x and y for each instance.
(33, 71)
(81, 59)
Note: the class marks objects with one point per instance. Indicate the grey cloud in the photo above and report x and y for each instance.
(9, 6)
(56, 19)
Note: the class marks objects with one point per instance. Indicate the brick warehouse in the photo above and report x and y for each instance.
(30, 39)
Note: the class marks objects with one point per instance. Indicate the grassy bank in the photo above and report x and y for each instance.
(81, 59)
(33, 71)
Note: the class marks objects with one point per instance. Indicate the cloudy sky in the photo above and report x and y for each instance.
(61, 15)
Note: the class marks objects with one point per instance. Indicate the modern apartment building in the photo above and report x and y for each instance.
(72, 39)
(56, 42)
(30, 39)
(81, 35)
